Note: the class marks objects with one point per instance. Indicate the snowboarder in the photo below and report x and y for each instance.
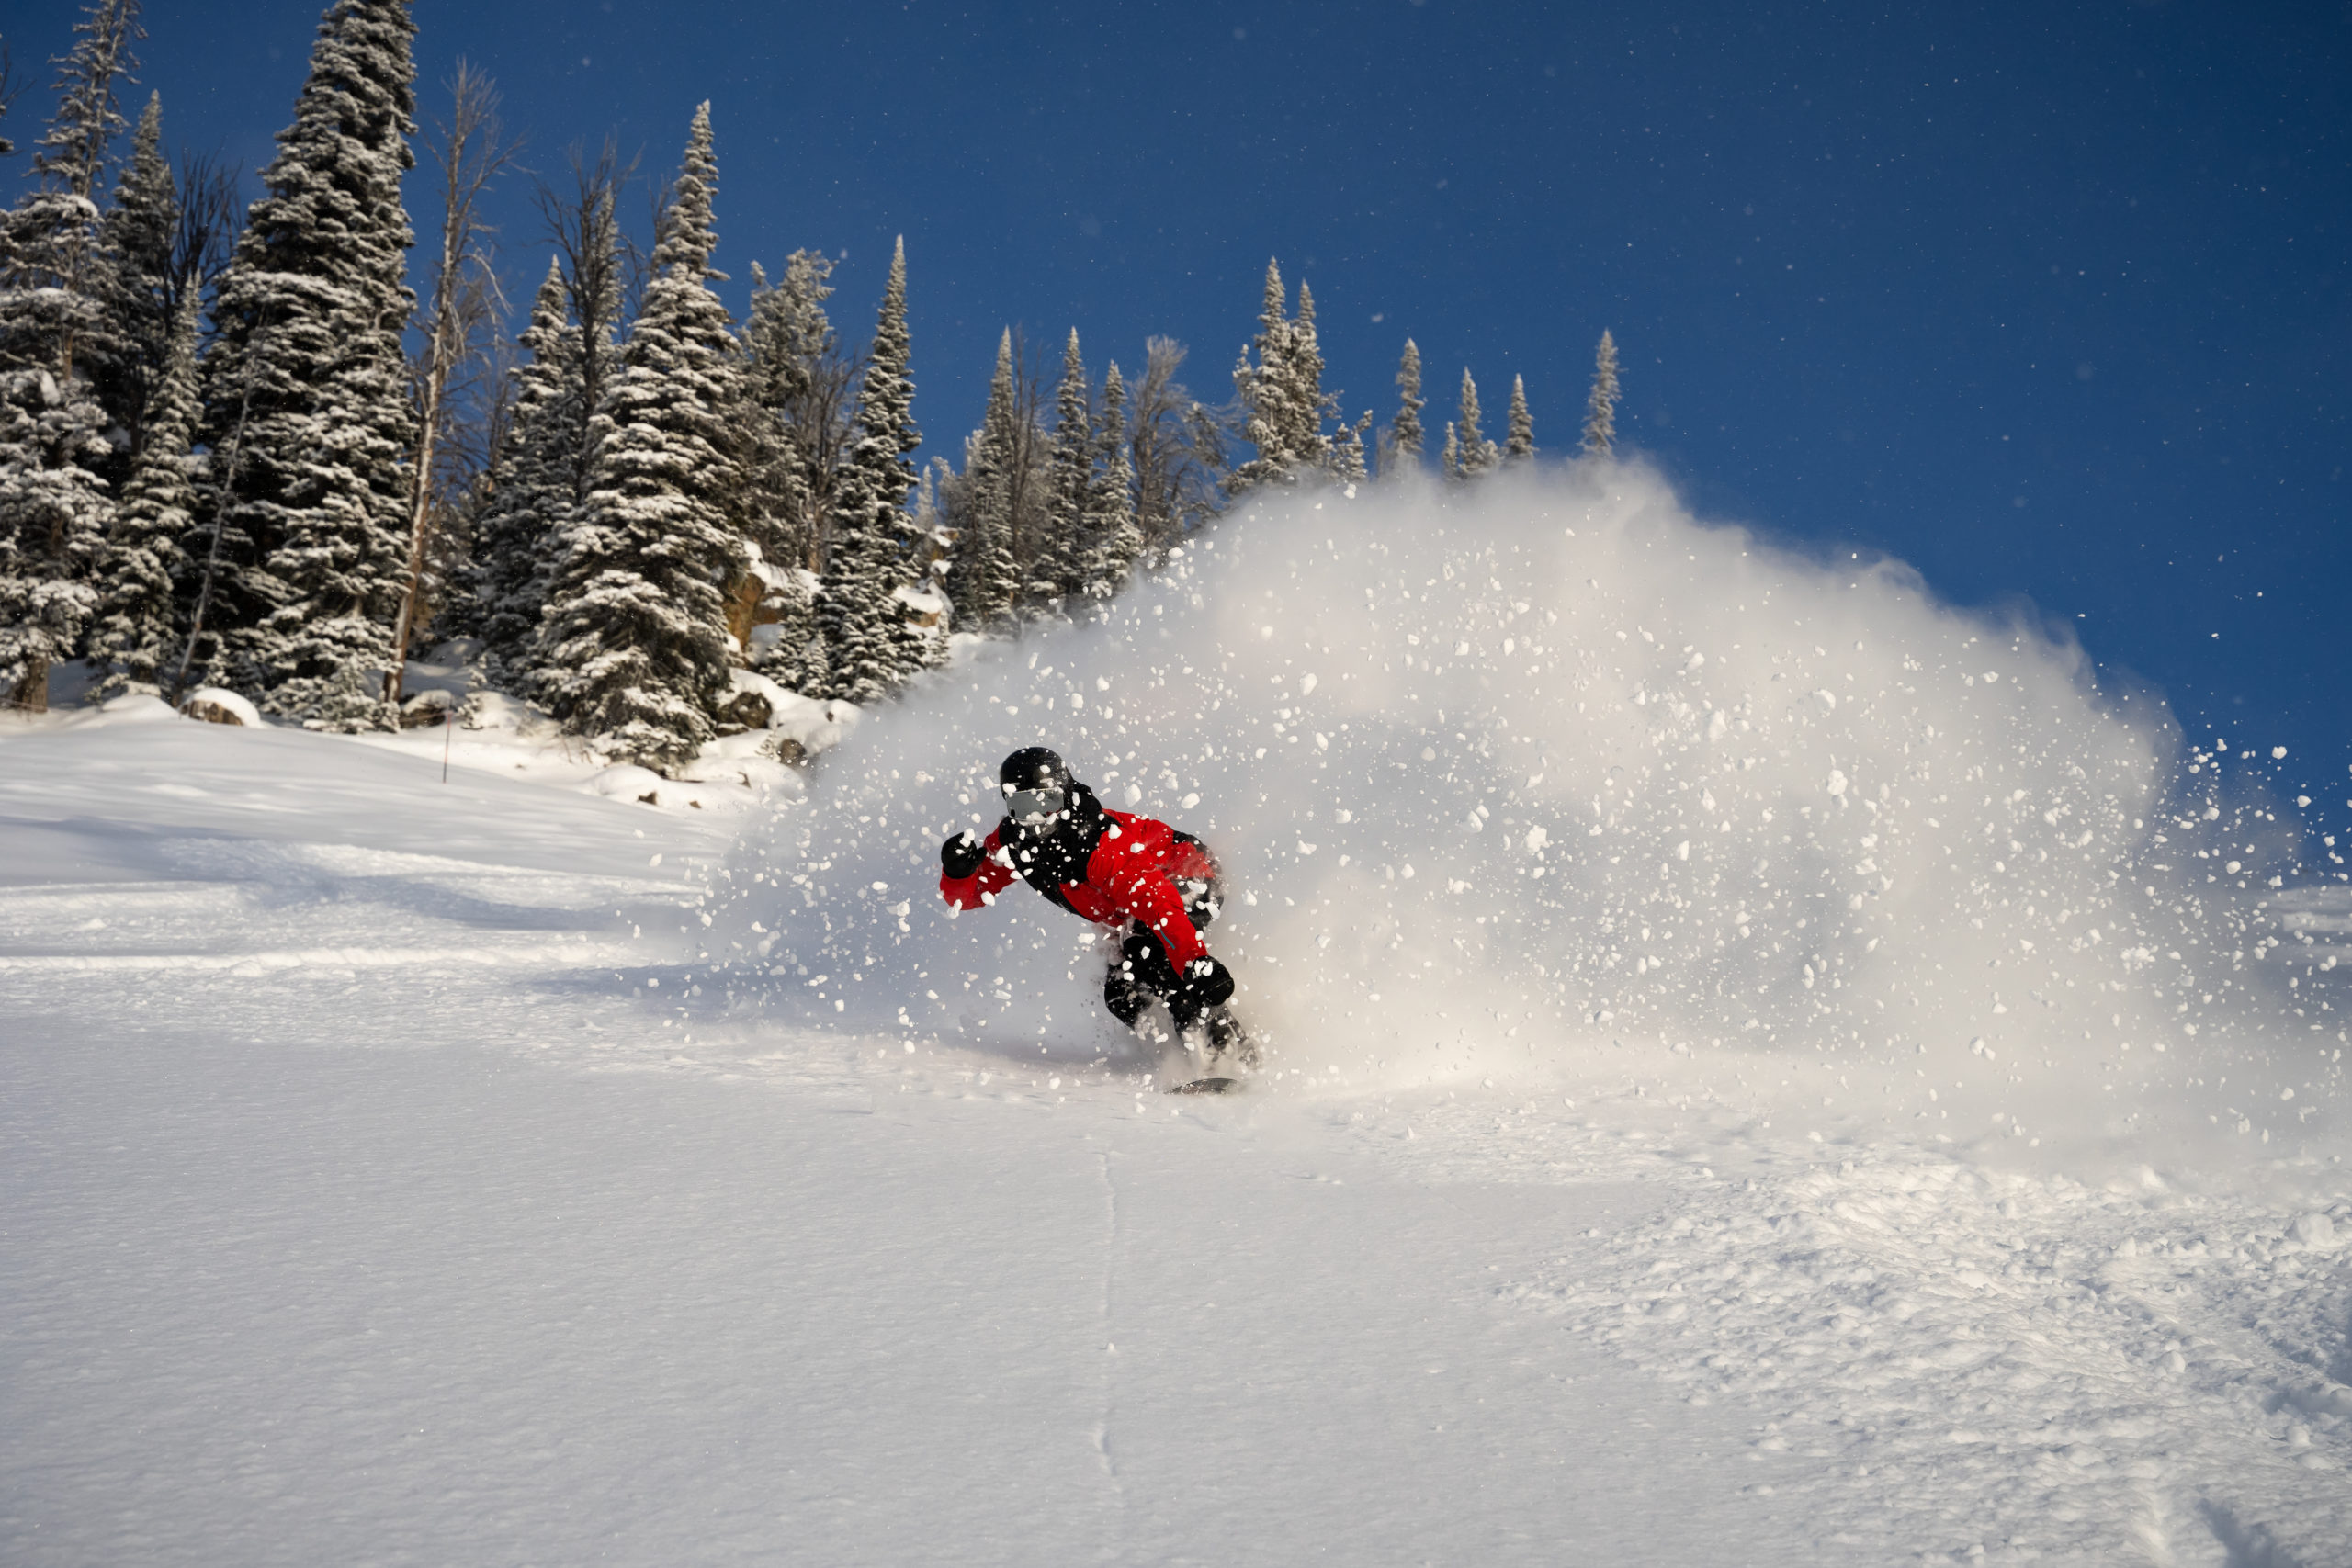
(1156, 885)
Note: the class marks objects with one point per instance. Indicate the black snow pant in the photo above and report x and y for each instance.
(1144, 970)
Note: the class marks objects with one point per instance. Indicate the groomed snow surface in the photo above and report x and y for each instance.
(1806, 1101)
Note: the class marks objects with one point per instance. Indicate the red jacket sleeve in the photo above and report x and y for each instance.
(1138, 885)
(982, 886)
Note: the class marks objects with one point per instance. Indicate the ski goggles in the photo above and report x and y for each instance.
(1031, 806)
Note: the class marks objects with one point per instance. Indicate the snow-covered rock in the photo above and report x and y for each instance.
(218, 704)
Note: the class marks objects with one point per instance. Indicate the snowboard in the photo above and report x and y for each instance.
(1206, 1086)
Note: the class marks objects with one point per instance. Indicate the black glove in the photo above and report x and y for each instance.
(1208, 983)
(961, 855)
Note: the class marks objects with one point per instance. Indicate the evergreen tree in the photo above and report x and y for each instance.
(1521, 444)
(982, 580)
(1449, 462)
(54, 512)
(784, 338)
(1404, 444)
(136, 240)
(308, 358)
(635, 626)
(867, 641)
(796, 655)
(1475, 455)
(56, 505)
(519, 541)
(1061, 565)
(1114, 540)
(1307, 403)
(1347, 450)
(137, 629)
(1264, 391)
(1601, 411)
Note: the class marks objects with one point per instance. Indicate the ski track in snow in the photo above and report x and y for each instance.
(1115, 1517)
(2106, 1349)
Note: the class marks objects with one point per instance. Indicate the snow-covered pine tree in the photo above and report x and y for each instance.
(307, 353)
(521, 534)
(56, 505)
(867, 641)
(1060, 570)
(1112, 538)
(981, 580)
(777, 373)
(1519, 443)
(134, 284)
(635, 625)
(1402, 449)
(137, 631)
(923, 599)
(1306, 402)
(794, 654)
(1449, 460)
(1347, 450)
(1264, 391)
(1601, 410)
(1474, 455)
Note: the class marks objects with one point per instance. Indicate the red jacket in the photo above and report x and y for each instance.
(1131, 875)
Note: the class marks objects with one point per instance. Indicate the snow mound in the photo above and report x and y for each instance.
(218, 704)
(1547, 778)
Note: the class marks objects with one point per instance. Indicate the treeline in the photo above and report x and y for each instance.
(249, 455)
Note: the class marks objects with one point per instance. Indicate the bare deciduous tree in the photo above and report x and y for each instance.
(207, 227)
(584, 224)
(1177, 447)
(452, 375)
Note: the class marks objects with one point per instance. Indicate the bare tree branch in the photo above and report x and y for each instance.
(583, 225)
(1177, 448)
(206, 230)
(459, 319)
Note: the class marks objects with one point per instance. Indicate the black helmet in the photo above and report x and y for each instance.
(1036, 784)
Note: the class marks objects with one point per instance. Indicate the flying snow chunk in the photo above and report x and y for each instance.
(1536, 839)
(2279, 754)
(1837, 782)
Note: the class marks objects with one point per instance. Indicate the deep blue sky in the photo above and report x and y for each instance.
(2048, 300)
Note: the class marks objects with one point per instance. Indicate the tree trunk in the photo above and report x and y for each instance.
(30, 695)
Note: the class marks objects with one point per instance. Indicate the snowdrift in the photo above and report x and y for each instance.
(1547, 779)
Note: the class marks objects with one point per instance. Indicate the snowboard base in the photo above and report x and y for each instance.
(1206, 1086)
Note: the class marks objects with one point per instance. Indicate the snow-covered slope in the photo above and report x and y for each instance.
(392, 1170)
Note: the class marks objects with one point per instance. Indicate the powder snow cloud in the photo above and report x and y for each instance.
(1548, 778)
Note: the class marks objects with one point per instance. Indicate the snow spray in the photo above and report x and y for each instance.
(1543, 778)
